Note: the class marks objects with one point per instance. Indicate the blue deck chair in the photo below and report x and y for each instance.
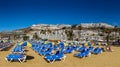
(76, 47)
(44, 48)
(24, 44)
(4, 45)
(89, 44)
(61, 45)
(18, 49)
(69, 49)
(33, 45)
(16, 57)
(37, 48)
(90, 48)
(81, 49)
(58, 56)
(97, 50)
(50, 45)
(47, 52)
(83, 54)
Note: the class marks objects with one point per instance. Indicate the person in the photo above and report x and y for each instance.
(108, 48)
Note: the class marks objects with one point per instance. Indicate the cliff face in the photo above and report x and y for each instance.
(38, 27)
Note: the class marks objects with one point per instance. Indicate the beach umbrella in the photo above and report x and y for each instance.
(65, 44)
(106, 44)
(29, 44)
(53, 43)
(61, 44)
(45, 42)
(26, 44)
(99, 44)
(20, 43)
(86, 44)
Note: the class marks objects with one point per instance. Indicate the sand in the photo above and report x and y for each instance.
(106, 59)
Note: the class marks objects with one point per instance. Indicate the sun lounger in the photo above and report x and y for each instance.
(47, 52)
(97, 50)
(18, 49)
(69, 49)
(82, 49)
(82, 54)
(16, 57)
(58, 56)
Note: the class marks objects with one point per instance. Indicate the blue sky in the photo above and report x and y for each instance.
(15, 14)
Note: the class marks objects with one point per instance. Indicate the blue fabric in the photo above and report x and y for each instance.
(83, 53)
(69, 49)
(18, 49)
(56, 56)
(24, 44)
(97, 50)
(82, 49)
(14, 56)
(47, 52)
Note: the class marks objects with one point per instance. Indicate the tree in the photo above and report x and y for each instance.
(108, 32)
(70, 35)
(79, 28)
(25, 37)
(53, 32)
(49, 31)
(35, 36)
(116, 29)
(43, 31)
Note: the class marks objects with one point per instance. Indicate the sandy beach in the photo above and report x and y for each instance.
(106, 59)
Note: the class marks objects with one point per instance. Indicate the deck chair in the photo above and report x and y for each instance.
(97, 50)
(81, 49)
(18, 49)
(69, 49)
(84, 53)
(47, 52)
(16, 57)
(58, 56)
(76, 47)
(90, 48)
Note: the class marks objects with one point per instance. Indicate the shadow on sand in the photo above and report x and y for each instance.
(29, 57)
(26, 50)
(7, 49)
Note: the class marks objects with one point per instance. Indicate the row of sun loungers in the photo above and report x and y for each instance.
(46, 51)
(85, 52)
(61, 50)
(5, 45)
(17, 54)
(52, 52)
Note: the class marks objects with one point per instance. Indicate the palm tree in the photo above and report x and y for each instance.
(25, 37)
(49, 31)
(79, 28)
(116, 29)
(70, 35)
(0, 35)
(108, 32)
(53, 32)
(119, 32)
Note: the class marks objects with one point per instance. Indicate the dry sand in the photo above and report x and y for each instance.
(106, 59)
